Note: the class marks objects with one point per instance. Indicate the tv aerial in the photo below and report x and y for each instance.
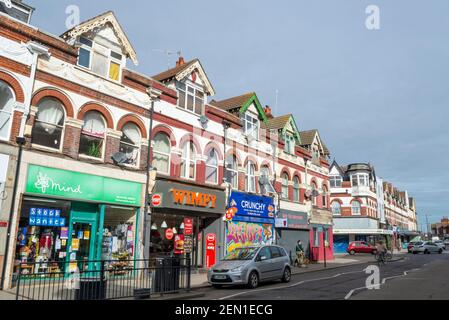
(168, 53)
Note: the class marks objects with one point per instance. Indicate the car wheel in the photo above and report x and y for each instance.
(414, 252)
(440, 251)
(352, 252)
(426, 251)
(286, 277)
(217, 286)
(253, 280)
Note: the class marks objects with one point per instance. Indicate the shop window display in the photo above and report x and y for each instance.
(118, 236)
(42, 238)
(168, 236)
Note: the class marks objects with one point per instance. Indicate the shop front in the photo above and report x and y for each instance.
(250, 220)
(321, 235)
(292, 226)
(70, 219)
(180, 212)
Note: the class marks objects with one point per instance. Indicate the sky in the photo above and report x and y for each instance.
(378, 96)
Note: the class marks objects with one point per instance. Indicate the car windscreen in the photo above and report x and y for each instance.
(241, 254)
(418, 243)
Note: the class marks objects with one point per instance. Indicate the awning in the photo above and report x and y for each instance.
(363, 231)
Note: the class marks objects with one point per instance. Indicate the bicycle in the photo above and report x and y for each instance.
(382, 258)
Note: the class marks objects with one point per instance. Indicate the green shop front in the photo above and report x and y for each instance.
(69, 219)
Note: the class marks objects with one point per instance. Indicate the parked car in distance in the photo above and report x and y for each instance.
(426, 247)
(360, 247)
(441, 244)
(250, 266)
(446, 241)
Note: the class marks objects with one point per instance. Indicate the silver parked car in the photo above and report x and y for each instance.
(440, 243)
(426, 247)
(250, 266)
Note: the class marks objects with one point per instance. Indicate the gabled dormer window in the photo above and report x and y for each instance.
(100, 59)
(190, 98)
(250, 125)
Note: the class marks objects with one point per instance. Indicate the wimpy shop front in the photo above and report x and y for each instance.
(250, 220)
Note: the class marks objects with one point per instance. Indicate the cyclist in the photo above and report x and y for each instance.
(381, 250)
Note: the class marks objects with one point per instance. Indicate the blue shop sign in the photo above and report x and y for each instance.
(249, 205)
(46, 217)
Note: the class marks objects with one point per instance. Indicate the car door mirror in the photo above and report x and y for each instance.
(262, 258)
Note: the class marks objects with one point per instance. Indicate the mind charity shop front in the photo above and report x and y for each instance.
(250, 220)
(69, 219)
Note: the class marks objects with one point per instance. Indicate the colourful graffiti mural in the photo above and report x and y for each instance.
(241, 234)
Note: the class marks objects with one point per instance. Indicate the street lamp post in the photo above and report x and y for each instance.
(154, 95)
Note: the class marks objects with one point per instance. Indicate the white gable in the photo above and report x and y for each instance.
(252, 109)
(334, 171)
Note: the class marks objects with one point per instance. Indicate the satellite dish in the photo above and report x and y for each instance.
(203, 120)
(120, 158)
(308, 193)
(315, 193)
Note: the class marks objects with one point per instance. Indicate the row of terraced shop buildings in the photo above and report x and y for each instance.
(100, 162)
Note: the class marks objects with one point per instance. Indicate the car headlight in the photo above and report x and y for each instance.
(238, 269)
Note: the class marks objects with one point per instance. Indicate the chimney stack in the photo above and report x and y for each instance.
(180, 61)
(267, 111)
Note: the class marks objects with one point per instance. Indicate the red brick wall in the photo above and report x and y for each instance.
(71, 142)
(112, 146)
(15, 128)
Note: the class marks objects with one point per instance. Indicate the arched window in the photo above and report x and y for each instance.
(356, 207)
(6, 105)
(188, 161)
(296, 191)
(250, 177)
(232, 174)
(212, 166)
(314, 194)
(336, 208)
(130, 142)
(161, 153)
(324, 197)
(92, 135)
(49, 123)
(284, 182)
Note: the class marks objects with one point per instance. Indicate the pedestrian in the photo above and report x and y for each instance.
(299, 254)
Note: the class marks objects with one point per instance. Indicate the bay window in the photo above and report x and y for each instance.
(130, 143)
(49, 123)
(360, 180)
(161, 153)
(93, 135)
(7, 101)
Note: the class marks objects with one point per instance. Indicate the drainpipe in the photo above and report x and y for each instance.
(222, 229)
(36, 50)
(154, 95)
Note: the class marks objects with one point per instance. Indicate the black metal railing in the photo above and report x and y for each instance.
(102, 280)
